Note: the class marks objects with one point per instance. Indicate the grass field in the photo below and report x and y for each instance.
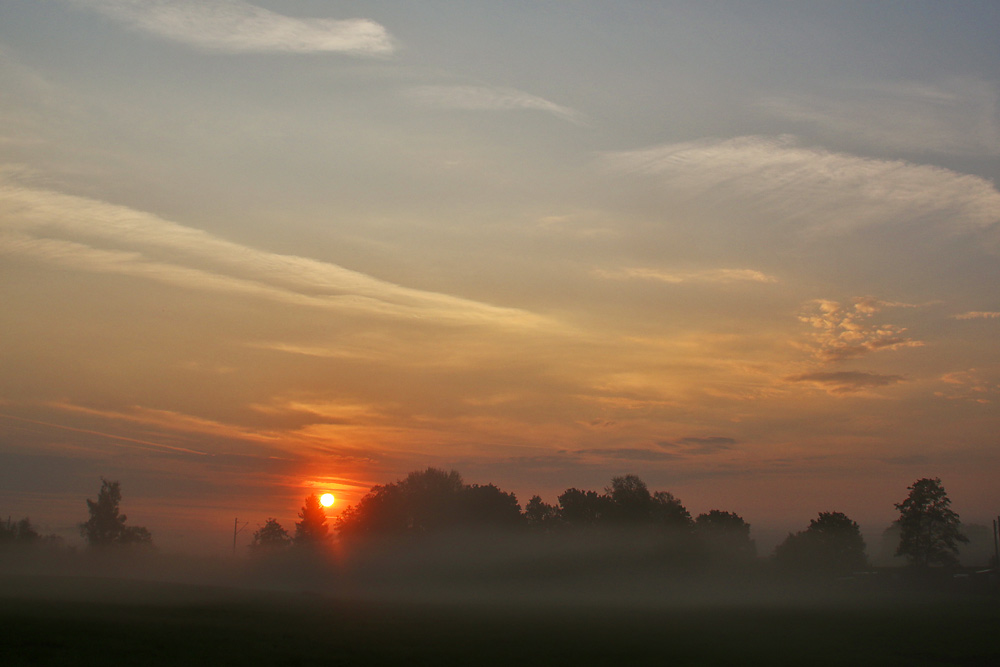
(84, 621)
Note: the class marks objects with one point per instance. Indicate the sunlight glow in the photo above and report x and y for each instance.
(326, 500)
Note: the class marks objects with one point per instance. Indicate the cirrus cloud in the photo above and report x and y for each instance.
(695, 276)
(233, 26)
(822, 191)
(98, 237)
(488, 98)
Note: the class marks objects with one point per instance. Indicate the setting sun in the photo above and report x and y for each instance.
(326, 500)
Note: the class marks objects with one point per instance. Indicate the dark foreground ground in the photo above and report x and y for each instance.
(47, 620)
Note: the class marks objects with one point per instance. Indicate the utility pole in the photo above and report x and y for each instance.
(996, 543)
(237, 529)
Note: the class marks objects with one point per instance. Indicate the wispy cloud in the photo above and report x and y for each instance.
(488, 98)
(846, 382)
(978, 315)
(630, 454)
(699, 444)
(697, 276)
(956, 116)
(846, 332)
(975, 385)
(816, 189)
(232, 26)
(95, 236)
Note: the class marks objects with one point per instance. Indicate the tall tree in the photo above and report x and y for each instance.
(929, 529)
(106, 525)
(312, 529)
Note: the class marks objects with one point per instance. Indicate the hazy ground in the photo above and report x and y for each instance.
(81, 619)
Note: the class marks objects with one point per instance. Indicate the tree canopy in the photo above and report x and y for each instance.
(270, 536)
(311, 530)
(831, 543)
(725, 534)
(106, 525)
(429, 501)
(930, 530)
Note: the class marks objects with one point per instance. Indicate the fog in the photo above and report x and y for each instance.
(622, 569)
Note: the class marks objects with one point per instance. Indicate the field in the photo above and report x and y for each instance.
(47, 620)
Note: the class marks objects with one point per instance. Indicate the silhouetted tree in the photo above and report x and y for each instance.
(270, 536)
(312, 529)
(582, 508)
(540, 515)
(427, 502)
(106, 525)
(725, 534)
(929, 528)
(20, 532)
(631, 501)
(668, 511)
(489, 506)
(831, 543)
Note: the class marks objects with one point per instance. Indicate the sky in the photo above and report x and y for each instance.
(251, 251)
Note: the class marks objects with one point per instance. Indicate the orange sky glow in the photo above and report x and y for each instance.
(244, 261)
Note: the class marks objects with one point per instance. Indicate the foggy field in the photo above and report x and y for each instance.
(48, 620)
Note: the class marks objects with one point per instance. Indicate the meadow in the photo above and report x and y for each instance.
(79, 620)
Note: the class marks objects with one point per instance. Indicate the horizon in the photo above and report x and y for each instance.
(256, 250)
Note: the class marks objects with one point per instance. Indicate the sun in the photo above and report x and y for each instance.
(326, 499)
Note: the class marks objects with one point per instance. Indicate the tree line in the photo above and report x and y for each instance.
(434, 502)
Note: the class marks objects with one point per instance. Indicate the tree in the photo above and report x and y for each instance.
(668, 511)
(929, 528)
(832, 543)
(583, 508)
(489, 506)
(426, 502)
(631, 501)
(21, 532)
(106, 525)
(312, 529)
(270, 536)
(725, 534)
(540, 515)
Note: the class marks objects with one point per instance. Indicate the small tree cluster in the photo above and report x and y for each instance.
(832, 543)
(19, 532)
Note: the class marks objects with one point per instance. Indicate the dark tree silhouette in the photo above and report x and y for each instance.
(668, 511)
(312, 530)
(427, 502)
(631, 501)
(21, 532)
(540, 515)
(583, 508)
(270, 536)
(929, 529)
(488, 506)
(832, 543)
(725, 534)
(106, 525)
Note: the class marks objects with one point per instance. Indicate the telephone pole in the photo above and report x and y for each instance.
(237, 529)
(996, 543)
